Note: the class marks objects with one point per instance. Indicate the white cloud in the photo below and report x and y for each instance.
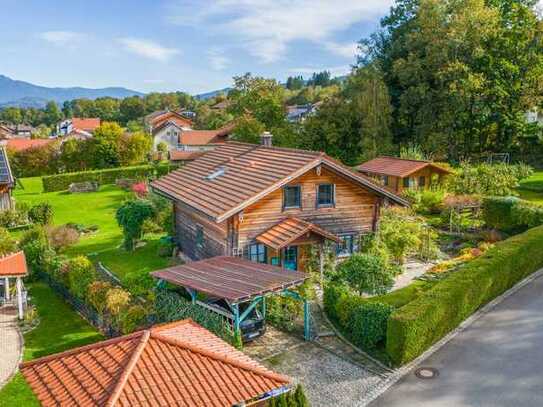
(217, 59)
(334, 70)
(267, 27)
(61, 38)
(347, 50)
(148, 49)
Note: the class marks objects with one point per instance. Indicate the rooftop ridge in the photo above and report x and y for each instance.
(74, 351)
(403, 159)
(221, 358)
(117, 391)
(277, 148)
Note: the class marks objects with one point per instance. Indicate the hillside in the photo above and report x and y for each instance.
(25, 94)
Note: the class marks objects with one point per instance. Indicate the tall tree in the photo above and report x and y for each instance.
(52, 113)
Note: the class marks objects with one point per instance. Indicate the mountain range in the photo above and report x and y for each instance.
(25, 94)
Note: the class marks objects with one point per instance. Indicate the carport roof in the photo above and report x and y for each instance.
(232, 278)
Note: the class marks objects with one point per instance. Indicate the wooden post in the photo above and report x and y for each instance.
(20, 297)
(321, 263)
(6, 288)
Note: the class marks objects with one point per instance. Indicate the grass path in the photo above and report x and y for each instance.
(60, 328)
(531, 188)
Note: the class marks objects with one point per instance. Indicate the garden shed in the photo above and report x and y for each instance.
(13, 267)
(237, 281)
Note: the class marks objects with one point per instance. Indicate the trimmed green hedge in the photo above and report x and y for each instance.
(61, 182)
(415, 327)
(511, 214)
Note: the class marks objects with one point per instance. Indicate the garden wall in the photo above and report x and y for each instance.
(418, 325)
(61, 182)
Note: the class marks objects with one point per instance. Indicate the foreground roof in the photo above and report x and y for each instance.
(232, 278)
(234, 175)
(6, 176)
(179, 155)
(178, 364)
(290, 229)
(13, 265)
(397, 167)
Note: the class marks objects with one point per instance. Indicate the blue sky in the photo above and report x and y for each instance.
(189, 45)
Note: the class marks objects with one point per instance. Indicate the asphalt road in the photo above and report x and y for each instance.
(497, 361)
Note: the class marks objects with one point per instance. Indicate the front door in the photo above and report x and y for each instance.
(290, 260)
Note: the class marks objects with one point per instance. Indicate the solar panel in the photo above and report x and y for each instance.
(5, 172)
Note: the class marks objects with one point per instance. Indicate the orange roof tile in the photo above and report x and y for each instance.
(25, 144)
(290, 229)
(89, 124)
(178, 364)
(396, 167)
(248, 173)
(159, 117)
(13, 265)
(177, 155)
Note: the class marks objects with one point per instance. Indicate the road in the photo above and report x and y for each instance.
(497, 361)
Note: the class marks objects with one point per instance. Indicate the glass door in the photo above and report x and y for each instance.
(291, 258)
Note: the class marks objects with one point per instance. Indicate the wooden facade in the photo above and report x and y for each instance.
(421, 179)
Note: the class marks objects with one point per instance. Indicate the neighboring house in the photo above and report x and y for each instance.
(223, 105)
(194, 143)
(8, 131)
(17, 145)
(270, 204)
(165, 126)
(298, 113)
(397, 174)
(78, 127)
(7, 182)
(176, 364)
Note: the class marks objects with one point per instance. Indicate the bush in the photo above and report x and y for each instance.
(132, 318)
(81, 274)
(7, 243)
(366, 273)
(131, 216)
(116, 299)
(97, 295)
(428, 201)
(415, 327)
(61, 182)
(62, 237)
(370, 324)
(511, 214)
(42, 214)
(35, 245)
(11, 218)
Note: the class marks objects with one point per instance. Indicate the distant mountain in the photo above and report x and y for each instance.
(212, 94)
(25, 94)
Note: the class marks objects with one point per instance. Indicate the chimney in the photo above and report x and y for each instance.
(266, 139)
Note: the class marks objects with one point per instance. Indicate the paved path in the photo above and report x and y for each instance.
(497, 361)
(10, 343)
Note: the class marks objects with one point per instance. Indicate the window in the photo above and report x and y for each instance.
(325, 195)
(384, 180)
(422, 182)
(347, 246)
(407, 182)
(257, 253)
(292, 197)
(199, 236)
(291, 258)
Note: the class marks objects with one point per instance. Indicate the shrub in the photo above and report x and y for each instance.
(511, 214)
(62, 237)
(7, 243)
(427, 201)
(41, 214)
(81, 274)
(140, 189)
(97, 295)
(116, 299)
(35, 245)
(422, 322)
(61, 182)
(130, 216)
(132, 318)
(366, 273)
(11, 218)
(370, 324)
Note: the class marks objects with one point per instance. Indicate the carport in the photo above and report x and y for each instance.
(237, 281)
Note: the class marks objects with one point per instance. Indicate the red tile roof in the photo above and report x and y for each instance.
(397, 167)
(177, 155)
(25, 144)
(232, 278)
(202, 137)
(85, 124)
(157, 118)
(178, 364)
(13, 265)
(250, 173)
(290, 229)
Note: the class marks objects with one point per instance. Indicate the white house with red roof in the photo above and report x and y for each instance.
(78, 127)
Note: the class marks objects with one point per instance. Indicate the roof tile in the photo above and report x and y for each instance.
(396, 167)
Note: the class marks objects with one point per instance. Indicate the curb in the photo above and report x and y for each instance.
(406, 369)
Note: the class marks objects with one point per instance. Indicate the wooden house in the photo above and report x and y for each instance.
(270, 204)
(7, 182)
(398, 174)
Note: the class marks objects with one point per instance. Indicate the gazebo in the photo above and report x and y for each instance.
(236, 280)
(13, 266)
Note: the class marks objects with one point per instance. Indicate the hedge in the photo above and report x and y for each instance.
(415, 327)
(61, 182)
(511, 214)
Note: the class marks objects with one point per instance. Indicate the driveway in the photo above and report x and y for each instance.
(10, 343)
(497, 361)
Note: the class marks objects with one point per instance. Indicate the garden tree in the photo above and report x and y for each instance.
(209, 119)
(76, 155)
(52, 114)
(353, 126)
(131, 108)
(248, 129)
(11, 115)
(7, 243)
(413, 152)
(295, 82)
(107, 108)
(134, 148)
(35, 161)
(67, 109)
(83, 108)
(366, 273)
(130, 217)
(105, 145)
(81, 274)
(461, 73)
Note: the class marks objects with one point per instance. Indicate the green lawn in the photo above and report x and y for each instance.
(60, 328)
(534, 183)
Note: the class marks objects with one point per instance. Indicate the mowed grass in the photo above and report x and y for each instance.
(531, 188)
(60, 328)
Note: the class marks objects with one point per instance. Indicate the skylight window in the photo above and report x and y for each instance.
(219, 172)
